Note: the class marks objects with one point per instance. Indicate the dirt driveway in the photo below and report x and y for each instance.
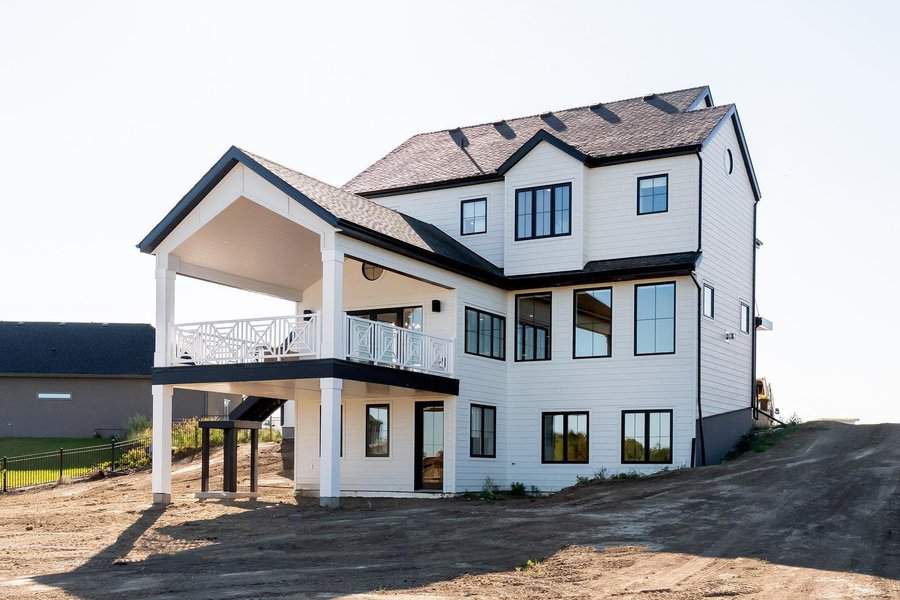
(817, 516)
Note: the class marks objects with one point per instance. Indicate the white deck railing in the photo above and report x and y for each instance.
(386, 344)
(247, 340)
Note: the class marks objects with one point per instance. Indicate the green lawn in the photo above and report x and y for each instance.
(19, 446)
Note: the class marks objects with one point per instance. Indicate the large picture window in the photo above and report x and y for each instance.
(377, 430)
(543, 211)
(565, 437)
(533, 315)
(473, 216)
(654, 318)
(593, 323)
(483, 431)
(653, 194)
(647, 436)
(485, 334)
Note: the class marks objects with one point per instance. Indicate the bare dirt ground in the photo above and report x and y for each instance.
(817, 516)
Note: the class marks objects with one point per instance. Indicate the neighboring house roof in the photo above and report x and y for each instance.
(605, 133)
(85, 349)
(354, 215)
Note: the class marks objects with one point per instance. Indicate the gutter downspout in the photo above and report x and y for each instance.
(699, 305)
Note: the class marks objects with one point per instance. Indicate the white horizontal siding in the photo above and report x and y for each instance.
(613, 229)
(727, 265)
(441, 208)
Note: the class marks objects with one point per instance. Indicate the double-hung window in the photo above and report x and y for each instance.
(544, 211)
(482, 431)
(654, 318)
(485, 334)
(647, 436)
(533, 330)
(652, 194)
(473, 215)
(377, 430)
(564, 437)
(593, 323)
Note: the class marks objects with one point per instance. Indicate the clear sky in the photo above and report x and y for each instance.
(111, 111)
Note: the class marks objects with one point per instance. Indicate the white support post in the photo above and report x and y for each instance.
(162, 394)
(162, 444)
(298, 455)
(330, 462)
(332, 342)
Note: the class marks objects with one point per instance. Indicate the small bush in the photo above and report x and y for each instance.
(625, 476)
(530, 565)
(795, 420)
(137, 426)
(517, 488)
(136, 458)
(489, 490)
(535, 491)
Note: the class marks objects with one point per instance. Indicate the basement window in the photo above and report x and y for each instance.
(647, 436)
(565, 437)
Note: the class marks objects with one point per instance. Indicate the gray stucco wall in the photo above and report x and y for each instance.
(721, 432)
(96, 404)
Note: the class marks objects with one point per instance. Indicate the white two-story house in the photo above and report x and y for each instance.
(530, 300)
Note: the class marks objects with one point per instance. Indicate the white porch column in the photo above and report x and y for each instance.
(298, 455)
(332, 345)
(162, 394)
(330, 461)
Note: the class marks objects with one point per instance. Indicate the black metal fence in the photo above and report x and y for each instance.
(31, 470)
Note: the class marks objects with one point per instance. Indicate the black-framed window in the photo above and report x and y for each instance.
(473, 216)
(745, 317)
(378, 417)
(654, 318)
(647, 436)
(652, 194)
(533, 326)
(592, 323)
(544, 211)
(709, 301)
(342, 431)
(482, 431)
(564, 437)
(485, 334)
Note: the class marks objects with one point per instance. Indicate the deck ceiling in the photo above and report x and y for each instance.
(253, 242)
(294, 388)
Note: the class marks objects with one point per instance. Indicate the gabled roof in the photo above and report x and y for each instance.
(354, 215)
(85, 349)
(660, 124)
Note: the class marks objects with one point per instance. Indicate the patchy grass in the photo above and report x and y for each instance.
(759, 441)
(19, 446)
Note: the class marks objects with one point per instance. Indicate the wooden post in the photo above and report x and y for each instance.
(254, 446)
(112, 456)
(204, 469)
(230, 461)
(60, 464)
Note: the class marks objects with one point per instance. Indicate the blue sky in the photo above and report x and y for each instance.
(110, 111)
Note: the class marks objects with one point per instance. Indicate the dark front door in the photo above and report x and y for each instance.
(430, 445)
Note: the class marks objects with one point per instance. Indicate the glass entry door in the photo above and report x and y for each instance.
(409, 317)
(429, 445)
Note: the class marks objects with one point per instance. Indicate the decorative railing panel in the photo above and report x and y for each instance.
(247, 340)
(389, 345)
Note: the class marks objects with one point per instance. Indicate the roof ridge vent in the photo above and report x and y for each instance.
(459, 138)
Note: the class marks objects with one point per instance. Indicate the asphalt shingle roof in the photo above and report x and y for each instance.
(101, 349)
(603, 131)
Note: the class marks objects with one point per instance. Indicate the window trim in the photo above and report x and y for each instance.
(478, 332)
(712, 303)
(471, 449)
(743, 304)
(54, 396)
(638, 194)
(366, 425)
(516, 330)
(646, 412)
(674, 318)
(552, 187)
(565, 414)
(575, 321)
(462, 206)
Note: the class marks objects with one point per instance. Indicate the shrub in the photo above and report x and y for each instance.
(795, 419)
(136, 458)
(137, 426)
(517, 488)
(488, 490)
